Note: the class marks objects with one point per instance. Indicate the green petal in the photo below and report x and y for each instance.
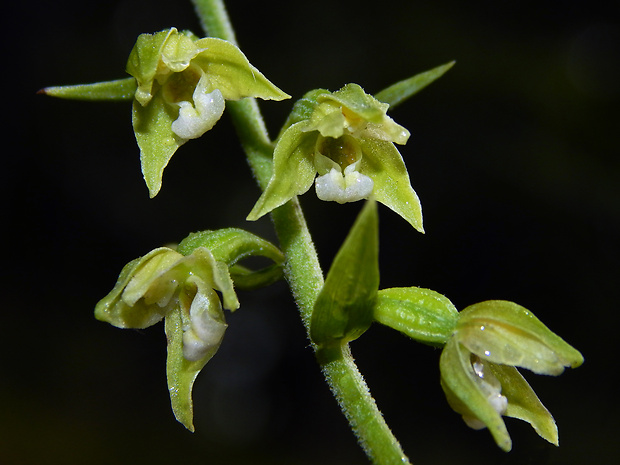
(180, 372)
(387, 131)
(523, 402)
(303, 108)
(144, 60)
(231, 72)
(201, 264)
(152, 126)
(144, 283)
(344, 308)
(402, 90)
(328, 119)
(178, 50)
(293, 170)
(506, 333)
(359, 102)
(384, 165)
(421, 314)
(120, 89)
(464, 394)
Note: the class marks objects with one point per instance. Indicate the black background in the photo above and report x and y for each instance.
(514, 153)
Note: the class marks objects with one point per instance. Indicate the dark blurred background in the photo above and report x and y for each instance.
(514, 153)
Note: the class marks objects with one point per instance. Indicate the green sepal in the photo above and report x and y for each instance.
(383, 163)
(152, 126)
(463, 391)
(232, 245)
(402, 90)
(344, 308)
(504, 332)
(293, 170)
(230, 71)
(119, 89)
(523, 403)
(123, 307)
(180, 372)
(421, 314)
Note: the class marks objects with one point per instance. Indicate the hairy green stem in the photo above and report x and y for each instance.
(302, 270)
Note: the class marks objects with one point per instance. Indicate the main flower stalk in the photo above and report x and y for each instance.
(302, 269)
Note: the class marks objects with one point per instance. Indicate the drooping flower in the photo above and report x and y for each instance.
(164, 284)
(478, 368)
(182, 286)
(347, 139)
(182, 85)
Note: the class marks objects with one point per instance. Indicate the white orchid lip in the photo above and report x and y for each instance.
(491, 387)
(332, 184)
(349, 186)
(206, 328)
(197, 118)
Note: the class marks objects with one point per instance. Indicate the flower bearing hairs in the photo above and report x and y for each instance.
(182, 286)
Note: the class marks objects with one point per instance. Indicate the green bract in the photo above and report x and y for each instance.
(347, 138)
(183, 83)
(119, 89)
(402, 90)
(180, 287)
(343, 309)
(478, 371)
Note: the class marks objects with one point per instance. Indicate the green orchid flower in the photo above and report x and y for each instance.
(478, 368)
(179, 87)
(164, 284)
(347, 139)
(183, 287)
(182, 85)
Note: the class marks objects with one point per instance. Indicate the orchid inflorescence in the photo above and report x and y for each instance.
(343, 142)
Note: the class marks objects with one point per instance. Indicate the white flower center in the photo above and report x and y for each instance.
(206, 328)
(492, 388)
(348, 187)
(197, 118)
